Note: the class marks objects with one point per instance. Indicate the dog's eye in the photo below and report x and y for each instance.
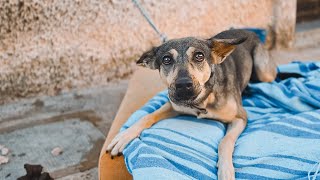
(199, 56)
(166, 60)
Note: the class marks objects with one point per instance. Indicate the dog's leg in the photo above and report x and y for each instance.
(265, 68)
(125, 137)
(226, 148)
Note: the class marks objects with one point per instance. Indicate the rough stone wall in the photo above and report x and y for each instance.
(284, 14)
(47, 46)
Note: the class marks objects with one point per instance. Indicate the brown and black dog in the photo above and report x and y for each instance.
(205, 78)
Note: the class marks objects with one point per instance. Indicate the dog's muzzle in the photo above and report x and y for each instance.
(184, 89)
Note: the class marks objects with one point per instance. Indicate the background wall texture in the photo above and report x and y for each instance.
(47, 46)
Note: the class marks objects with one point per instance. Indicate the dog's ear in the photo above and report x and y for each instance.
(148, 59)
(222, 48)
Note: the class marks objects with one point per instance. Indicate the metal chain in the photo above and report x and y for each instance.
(162, 36)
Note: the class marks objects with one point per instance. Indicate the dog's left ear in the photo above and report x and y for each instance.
(148, 59)
(222, 48)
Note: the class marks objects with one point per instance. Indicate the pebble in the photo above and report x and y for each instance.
(56, 151)
(3, 160)
(4, 151)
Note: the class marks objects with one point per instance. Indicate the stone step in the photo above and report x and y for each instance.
(75, 121)
(307, 35)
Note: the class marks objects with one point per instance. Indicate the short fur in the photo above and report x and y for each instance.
(206, 78)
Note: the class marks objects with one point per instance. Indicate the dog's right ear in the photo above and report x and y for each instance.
(148, 59)
(221, 48)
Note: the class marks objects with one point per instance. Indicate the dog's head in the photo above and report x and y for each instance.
(185, 64)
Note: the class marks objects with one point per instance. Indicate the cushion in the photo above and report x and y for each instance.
(281, 140)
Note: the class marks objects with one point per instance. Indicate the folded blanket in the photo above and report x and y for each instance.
(281, 140)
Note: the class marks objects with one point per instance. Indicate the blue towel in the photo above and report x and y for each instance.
(281, 141)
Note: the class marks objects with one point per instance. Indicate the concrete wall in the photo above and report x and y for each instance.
(47, 46)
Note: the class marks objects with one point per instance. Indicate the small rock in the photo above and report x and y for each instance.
(57, 151)
(4, 151)
(22, 154)
(35, 172)
(4, 160)
(8, 175)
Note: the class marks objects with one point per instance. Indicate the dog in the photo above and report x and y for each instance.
(205, 78)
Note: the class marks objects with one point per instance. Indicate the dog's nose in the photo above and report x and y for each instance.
(184, 84)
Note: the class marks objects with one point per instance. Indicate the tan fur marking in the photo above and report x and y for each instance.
(226, 148)
(265, 76)
(225, 113)
(190, 52)
(166, 111)
(163, 77)
(170, 78)
(174, 53)
(220, 51)
(265, 67)
(119, 142)
(202, 76)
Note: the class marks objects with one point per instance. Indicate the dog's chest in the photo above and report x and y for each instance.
(186, 109)
(225, 113)
(198, 112)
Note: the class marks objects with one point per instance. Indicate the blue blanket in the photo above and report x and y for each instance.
(281, 141)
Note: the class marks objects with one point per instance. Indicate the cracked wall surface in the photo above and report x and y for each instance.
(47, 46)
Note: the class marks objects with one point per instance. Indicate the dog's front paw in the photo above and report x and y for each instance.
(122, 139)
(226, 171)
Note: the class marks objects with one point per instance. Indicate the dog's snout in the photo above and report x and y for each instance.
(184, 84)
(184, 89)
